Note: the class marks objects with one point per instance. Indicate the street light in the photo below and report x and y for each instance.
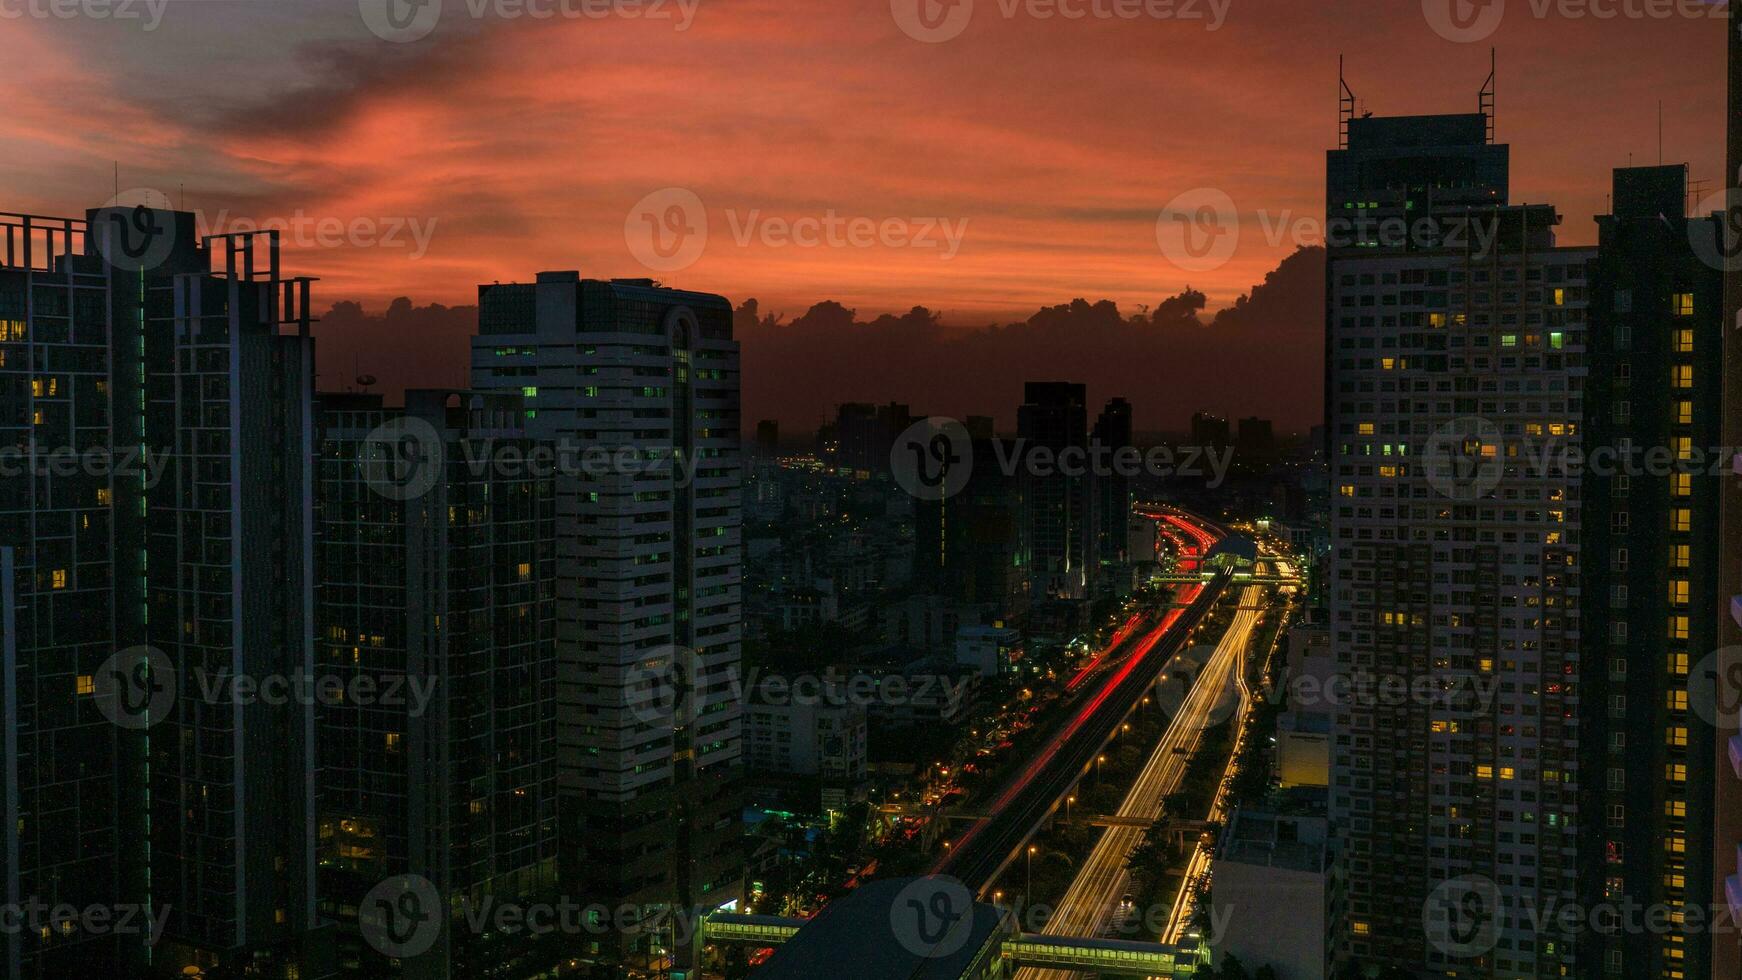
(1098, 760)
(1030, 889)
(1068, 801)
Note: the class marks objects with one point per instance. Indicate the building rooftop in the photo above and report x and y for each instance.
(856, 936)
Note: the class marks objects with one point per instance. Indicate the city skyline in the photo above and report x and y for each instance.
(907, 490)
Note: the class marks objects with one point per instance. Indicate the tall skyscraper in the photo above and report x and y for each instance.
(1726, 890)
(1054, 420)
(170, 564)
(1646, 519)
(436, 605)
(1113, 485)
(637, 386)
(1450, 351)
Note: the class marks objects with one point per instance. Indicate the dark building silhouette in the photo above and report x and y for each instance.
(768, 438)
(442, 599)
(1726, 884)
(147, 777)
(1255, 442)
(1053, 426)
(1112, 438)
(1211, 431)
(867, 434)
(1655, 384)
(972, 546)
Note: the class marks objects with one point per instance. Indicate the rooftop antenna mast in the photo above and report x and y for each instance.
(1345, 106)
(1486, 98)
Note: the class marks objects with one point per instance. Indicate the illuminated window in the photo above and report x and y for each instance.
(1681, 520)
(102, 496)
(1678, 627)
(1681, 484)
(1560, 297)
(1684, 376)
(1346, 490)
(392, 741)
(1681, 556)
(1675, 808)
(59, 578)
(86, 684)
(1678, 592)
(1684, 341)
(1676, 772)
(1676, 700)
(1366, 428)
(1360, 928)
(525, 571)
(1684, 448)
(1509, 340)
(1682, 304)
(1676, 735)
(1678, 664)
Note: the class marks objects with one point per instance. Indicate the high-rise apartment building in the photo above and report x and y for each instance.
(1112, 435)
(1649, 509)
(173, 561)
(436, 608)
(1455, 336)
(1726, 885)
(1053, 424)
(636, 387)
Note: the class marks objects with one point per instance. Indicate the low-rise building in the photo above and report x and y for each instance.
(1271, 896)
(989, 650)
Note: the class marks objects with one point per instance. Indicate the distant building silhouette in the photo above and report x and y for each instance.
(1053, 420)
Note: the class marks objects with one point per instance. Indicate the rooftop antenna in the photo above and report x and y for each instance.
(1345, 106)
(1485, 100)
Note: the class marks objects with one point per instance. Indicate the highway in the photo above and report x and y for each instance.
(980, 853)
(1093, 898)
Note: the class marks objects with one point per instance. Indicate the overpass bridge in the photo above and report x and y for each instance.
(1107, 957)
